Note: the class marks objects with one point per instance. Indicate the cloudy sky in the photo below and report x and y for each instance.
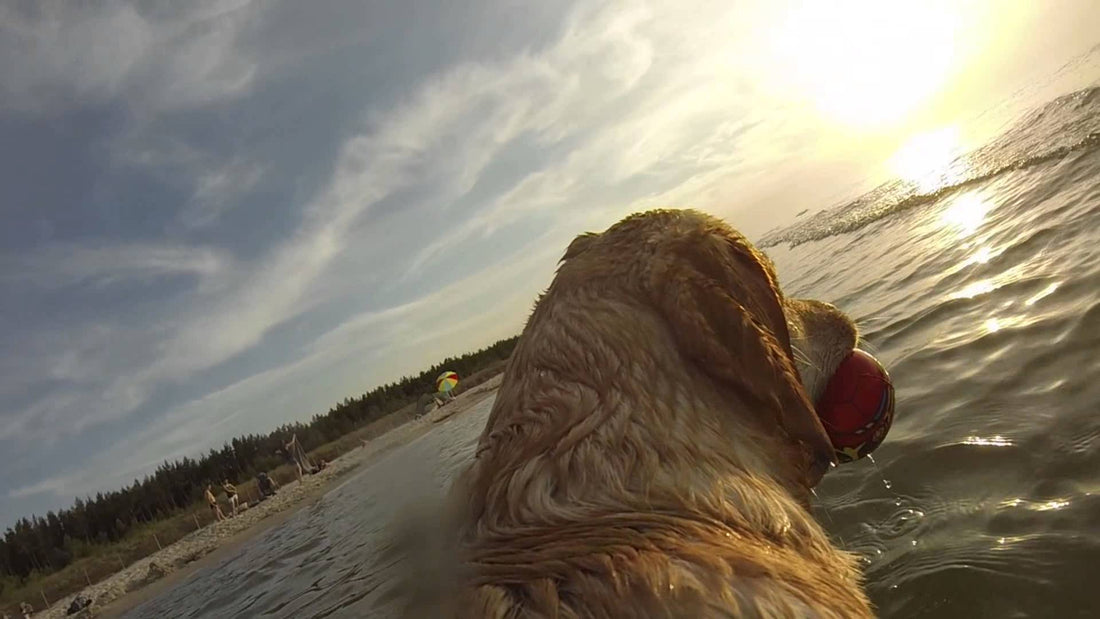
(223, 215)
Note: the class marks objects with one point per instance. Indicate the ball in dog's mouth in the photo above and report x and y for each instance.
(857, 407)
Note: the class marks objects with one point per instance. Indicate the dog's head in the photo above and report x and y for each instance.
(660, 400)
(720, 297)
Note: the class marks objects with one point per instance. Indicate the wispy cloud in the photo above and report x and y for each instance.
(59, 53)
(639, 111)
(61, 485)
(453, 127)
(216, 190)
(61, 265)
(423, 329)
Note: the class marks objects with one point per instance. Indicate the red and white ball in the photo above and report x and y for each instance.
(857, 407)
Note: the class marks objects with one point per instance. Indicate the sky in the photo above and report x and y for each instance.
(220, 216)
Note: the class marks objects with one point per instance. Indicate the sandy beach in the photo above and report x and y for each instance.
(159, 572)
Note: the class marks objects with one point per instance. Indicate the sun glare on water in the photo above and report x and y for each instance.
(966, 213)
(925, 160)
(868, 62)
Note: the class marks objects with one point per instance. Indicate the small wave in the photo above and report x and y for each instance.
(1066, 126)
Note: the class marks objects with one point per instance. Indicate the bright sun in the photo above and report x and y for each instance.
(867, 62)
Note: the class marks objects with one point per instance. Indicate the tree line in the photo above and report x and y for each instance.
(46, 544)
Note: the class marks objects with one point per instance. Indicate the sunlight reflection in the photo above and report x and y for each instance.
(977, 288)
(1003, 543)
(991, 284)
(1042, 506)
(966, 213)
(925, 160)
(1056, 384)
(1045, 292)
(993, 325)
(991, 441)
(982, 256)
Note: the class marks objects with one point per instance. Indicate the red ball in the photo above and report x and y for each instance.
(857, 407)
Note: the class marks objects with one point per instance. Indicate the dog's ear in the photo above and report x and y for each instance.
(728, 340)
(579, 245)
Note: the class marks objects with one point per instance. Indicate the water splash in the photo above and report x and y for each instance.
(885, 482)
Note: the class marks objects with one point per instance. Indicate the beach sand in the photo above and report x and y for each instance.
(167, 568)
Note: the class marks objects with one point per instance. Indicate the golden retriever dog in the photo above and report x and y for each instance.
(653, 446)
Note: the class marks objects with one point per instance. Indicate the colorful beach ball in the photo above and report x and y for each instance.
(446, 382)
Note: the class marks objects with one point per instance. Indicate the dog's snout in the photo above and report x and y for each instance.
(821, 336)
(820, 318)
(843, 325)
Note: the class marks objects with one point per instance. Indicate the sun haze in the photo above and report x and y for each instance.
(866, 63)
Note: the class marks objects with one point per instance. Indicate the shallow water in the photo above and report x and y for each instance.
(323, 562)
(981, 297)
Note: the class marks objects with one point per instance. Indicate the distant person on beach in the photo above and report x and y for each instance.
(231, 492)
(288, 455)
(213, 502)
(294, 453)
(79, 603)
(266, 484)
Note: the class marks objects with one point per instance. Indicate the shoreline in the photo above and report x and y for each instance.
(155, 574)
